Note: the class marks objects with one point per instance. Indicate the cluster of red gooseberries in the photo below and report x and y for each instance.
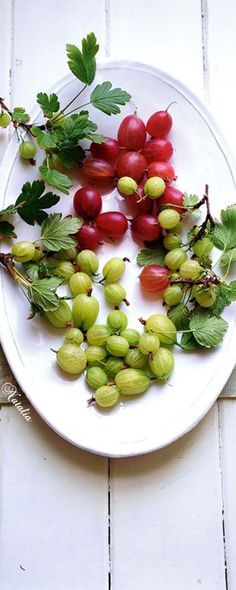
(140, 169)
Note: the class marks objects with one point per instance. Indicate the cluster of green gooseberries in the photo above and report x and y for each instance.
(119, 360)
(177, 276)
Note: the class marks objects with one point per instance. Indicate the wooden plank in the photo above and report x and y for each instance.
(166, 516)
(221, 63)
(53, 510)
(230, 387)
(227, 421)
(5, 63)
(168, 37)
(7, 379)
(40, 55)
(221, 89)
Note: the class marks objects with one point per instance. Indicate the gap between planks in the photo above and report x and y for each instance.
(205, 63)
(220, 443)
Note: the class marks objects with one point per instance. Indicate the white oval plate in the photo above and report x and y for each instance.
(165, 412)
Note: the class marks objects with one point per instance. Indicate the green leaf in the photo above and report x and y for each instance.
(48, 103)
(155, 256)
(228, 258)
(224, 234)
(33, 202)
(228, 216)
(10, 210)
(38, 270)
(56, 179)
(6, 230)
(45, 139)
(232, 286)
(190, 200)
(82, 63)
(75, 128)
(226, 293)
(208, 330)
(20, 116)
(188, 342)
(56, 232)
(222, 301)
(31, 270)
(43, 293)
(222, 237)
(96, 138)
(106, 99)
(180, 316)
(71, 156)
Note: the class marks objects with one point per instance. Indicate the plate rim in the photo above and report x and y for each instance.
(6, 336)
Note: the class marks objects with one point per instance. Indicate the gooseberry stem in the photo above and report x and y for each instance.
(203, 227)
(205, 282)
(69, 103)
(6, 261)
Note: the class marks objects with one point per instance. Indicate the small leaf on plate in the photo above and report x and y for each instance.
(188, 342)
(56, 179)
(43, 293)
(45, 139)
(180, 316)
(106, 99)
(208, 330)
(48, 103)
(31, 202)
(56, 233)
(154, 256)
(19, 115)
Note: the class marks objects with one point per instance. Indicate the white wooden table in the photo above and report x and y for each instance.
(71, 520)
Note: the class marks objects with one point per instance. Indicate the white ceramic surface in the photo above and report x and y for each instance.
(164, 413)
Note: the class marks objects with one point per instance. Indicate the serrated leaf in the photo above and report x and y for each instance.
(228, 216)
(224, 234)
(39, 270)
(19, 115)
(82, 63)
(56, 233)
(96, 138)
(33, 202)
(225, 295)
(71, 156)
(155, 256)
(228, 258)
(45, 139)
(190, 200)
(7, 230)
(43, 293)
(75, 128)
(31, 270)
(48, 103)
(180, 316)
(232, 286)
(188, 342)
(106, 99)
(56, 179)
(10, 210)
(208, 330)
(223, 238)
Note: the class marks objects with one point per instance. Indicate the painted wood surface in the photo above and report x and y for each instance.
(59, 506)
(53, 510)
